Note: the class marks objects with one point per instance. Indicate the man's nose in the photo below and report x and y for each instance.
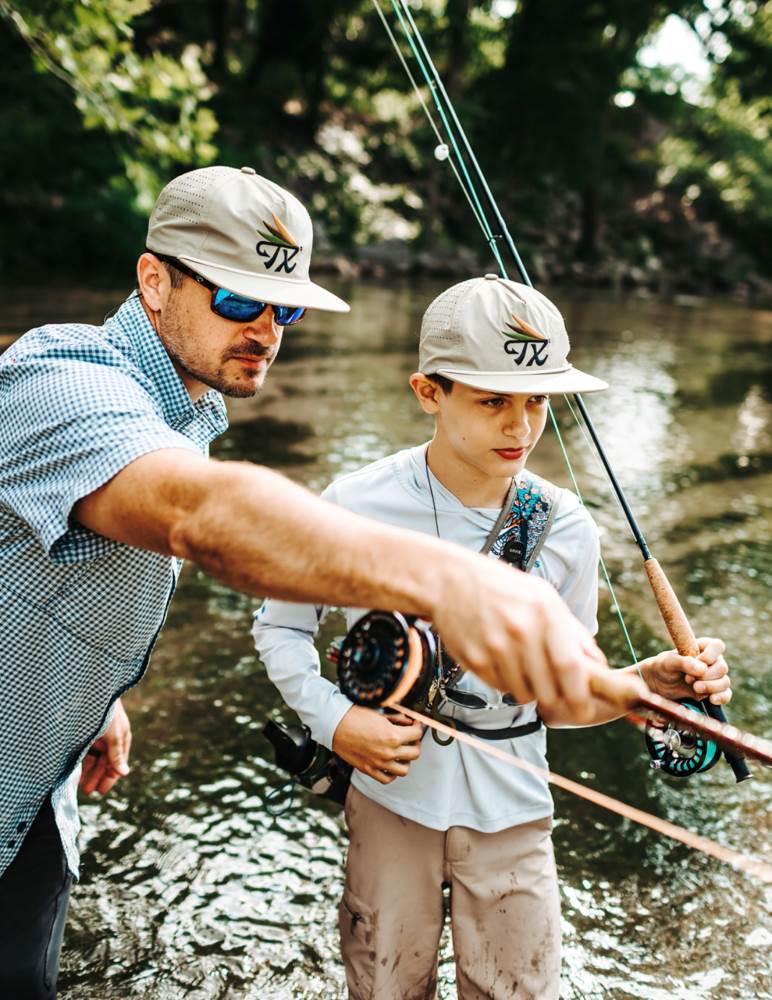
(264, 329)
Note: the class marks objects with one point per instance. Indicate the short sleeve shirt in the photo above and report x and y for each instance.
(79, 613)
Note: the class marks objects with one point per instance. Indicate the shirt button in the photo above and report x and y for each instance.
(248, 170)
(11, 844)
(20, 827)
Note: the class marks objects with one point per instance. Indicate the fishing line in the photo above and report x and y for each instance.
(427, 112)
(432, 82)
(677, 624)
(436, 87)
(741, 862)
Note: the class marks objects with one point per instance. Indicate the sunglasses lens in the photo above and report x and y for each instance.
(236, 307)
(287, 315)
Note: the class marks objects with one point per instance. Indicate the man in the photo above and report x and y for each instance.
(105, 485)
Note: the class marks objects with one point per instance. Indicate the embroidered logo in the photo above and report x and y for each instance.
(278, 247)
(525, 341)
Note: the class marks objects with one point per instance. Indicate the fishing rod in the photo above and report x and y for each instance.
(390, 660)
(672, 613)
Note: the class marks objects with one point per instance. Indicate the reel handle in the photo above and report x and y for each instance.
(686, 643)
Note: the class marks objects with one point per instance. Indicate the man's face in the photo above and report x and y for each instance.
(211, 352)
(490, 434)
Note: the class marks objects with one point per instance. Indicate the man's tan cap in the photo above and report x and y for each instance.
(241, 232)
(495, 334)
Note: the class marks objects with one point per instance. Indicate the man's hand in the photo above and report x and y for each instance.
(517, 635)
(674, 676)
(381, 746)
(108, 758)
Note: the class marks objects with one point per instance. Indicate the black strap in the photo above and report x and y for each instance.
(508, 733)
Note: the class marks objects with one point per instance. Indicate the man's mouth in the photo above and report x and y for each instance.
(252, 357)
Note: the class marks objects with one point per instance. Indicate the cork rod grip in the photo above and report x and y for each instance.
(670, 608)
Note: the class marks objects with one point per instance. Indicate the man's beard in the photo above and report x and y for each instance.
(173, 337)
(223, 383)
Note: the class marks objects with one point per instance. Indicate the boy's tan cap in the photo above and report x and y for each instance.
(241, 232)
(495, 334)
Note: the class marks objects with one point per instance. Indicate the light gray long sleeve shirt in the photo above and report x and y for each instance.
(453, 785)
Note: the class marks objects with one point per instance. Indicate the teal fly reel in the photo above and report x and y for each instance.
(679, 751)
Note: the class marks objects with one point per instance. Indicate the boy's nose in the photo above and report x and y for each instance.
(517, 425)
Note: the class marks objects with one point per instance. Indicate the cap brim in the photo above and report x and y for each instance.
(269, 288)
(568, 381)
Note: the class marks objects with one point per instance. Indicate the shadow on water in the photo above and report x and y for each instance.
(191, 889)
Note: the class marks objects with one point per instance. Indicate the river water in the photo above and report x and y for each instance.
(192, 889)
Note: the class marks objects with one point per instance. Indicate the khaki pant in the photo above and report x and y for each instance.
(504, 908)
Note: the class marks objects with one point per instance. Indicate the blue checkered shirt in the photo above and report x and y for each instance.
(79, 613)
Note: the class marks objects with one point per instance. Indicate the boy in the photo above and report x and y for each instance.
(491, 350)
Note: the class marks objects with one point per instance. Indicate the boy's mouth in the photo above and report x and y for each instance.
(510, 454)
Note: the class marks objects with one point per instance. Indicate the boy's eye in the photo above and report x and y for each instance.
(538, 400)
(493, 402)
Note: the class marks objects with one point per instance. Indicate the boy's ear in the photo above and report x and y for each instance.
(427, 392)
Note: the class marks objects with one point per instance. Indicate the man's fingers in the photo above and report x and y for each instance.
(95, 774)
(107, 782)
(571, 672)
(410, 751)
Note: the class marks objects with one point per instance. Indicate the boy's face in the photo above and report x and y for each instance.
(490, 434)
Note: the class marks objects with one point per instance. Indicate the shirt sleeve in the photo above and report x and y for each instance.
(284, 637)
(67, 426)
(579, 586)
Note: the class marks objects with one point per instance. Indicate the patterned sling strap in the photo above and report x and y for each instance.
(517, 537)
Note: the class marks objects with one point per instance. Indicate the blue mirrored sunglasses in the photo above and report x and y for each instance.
(234, 307)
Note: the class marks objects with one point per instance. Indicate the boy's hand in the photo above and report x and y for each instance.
(381, 746)
(108, 758)
(674, 676)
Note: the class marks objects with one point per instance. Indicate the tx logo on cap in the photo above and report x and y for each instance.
(278, 247)
(521, 336)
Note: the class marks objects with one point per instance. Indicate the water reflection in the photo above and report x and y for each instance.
(191, 889)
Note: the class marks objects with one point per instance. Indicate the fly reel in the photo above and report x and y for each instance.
(387, 657)
(678, 751)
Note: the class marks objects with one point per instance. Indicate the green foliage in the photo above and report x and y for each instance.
(595, 158)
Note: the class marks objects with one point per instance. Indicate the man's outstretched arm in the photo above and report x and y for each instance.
(260, 533)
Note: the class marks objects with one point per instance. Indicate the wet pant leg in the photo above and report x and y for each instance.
(391, 914)
(505, 912)
(34, 893)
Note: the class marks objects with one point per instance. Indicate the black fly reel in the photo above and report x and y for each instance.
(678, 751)
(388, 657)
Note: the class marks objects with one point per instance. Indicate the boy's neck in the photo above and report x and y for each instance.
(469, 485)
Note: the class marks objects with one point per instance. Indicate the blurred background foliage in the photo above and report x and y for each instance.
(611, 168)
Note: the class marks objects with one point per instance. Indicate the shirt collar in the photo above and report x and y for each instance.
(154, 361)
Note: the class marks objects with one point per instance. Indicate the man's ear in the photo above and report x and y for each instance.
(427, 392)
(153, 282)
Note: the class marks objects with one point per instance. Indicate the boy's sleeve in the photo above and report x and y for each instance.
(284, 637)
(67, 426)
(579, 588)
